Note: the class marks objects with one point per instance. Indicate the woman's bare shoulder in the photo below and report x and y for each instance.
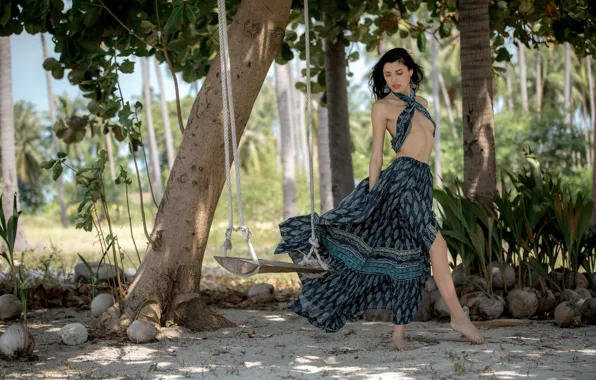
(422, 101)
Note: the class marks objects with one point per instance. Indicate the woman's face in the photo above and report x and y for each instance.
(397, 75)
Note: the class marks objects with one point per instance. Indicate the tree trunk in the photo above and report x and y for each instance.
(448, 105)
(171, 270)
(538, 82)
(436, 112)
(325, 193)
(154, 171)
(567, 90)
(9, 167)
(509, 82)
(165, 115)
(287, 135)
(478, 124)
(523, 83)
(110, 151)
(301, 120)
(340, 147)
(593, 121)
(55, 140)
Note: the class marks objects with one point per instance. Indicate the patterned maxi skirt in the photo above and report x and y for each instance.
(377, 245)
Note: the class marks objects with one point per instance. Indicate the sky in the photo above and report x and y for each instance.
(29, 82)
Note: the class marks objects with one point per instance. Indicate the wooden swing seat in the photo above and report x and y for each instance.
(240, 266)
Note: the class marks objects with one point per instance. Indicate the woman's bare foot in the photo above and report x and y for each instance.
(467, 329)
(399, 341)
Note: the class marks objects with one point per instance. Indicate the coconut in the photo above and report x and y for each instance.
(10, 307)
(471, 301)
(441, 309)
(430, 284)
(490, 308)
(74, 334)
(458, 275)
(570, 295)
(496, 271)
(522, 303)
(588, 311)
(378, 315)
(17, 342)
(583, 293)
(261, 293)
(547, 302)
(101, 303)
(141, 331)
(425, 310)
(567, 314)
(570, 282)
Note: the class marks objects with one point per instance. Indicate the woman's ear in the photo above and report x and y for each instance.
(411, 73)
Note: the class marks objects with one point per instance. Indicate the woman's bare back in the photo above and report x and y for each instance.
(419, 142)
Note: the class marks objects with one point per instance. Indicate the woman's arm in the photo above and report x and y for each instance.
(379, 124)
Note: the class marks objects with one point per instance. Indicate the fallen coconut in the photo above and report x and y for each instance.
(547, 302)
(430, 284)
(17, 342)
(377, 315)
(490, 308)
(522, 303)
(583, 293)
(588, 311)
(570, 295)
(425, 310)
(440, 309)
(101, 303)
(10, 307)
(141, 331)
(74, 334)
(496, 271)
(261, 293)
(458, 275)
(567, 314)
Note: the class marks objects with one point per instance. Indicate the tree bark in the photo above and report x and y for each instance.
(9, 167)
(165, 115)
(325, 193)
(567, 89)
(110, 150)
(287, 135)
(448, 105)
(508, 81)
(538, 82)
(340, 147)
(477, 84)
(523, 82)
(301, 120)
(171, 270)
(55, 140)
(154, 170)
(436, 112)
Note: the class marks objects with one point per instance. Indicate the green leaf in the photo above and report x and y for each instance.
(62, 155)
(57, 172)
(175, 19)
(421, 42)
(11, 231)
(189, 14)
(5, 15)
(47, 164)
(127, 67)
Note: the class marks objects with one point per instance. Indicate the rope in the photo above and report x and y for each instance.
(228, 109)
(307, 260)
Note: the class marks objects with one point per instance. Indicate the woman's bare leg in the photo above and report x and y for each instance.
(442, 274)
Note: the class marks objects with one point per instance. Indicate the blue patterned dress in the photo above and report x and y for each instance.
(377, 243)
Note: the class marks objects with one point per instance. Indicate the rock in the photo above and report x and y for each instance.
(583, 293)
(10, 307)
(101, 303)
(567, 314)
(261, 293)
(440, 309)
(430, 284)
(74, 334)
(496, 271)
(458, 275)
(378, 315)
(522, 303)
(547, 303)
(106, 272)
(490, 308)
(141, 331)
(588, 311)
(425, 311)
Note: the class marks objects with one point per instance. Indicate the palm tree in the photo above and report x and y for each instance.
(56, 141)
(285, 122)
(165, 115)
(325, 193)
(523, 83)
(436, 111)
(477, 110)
(9, 167)
(28, 143)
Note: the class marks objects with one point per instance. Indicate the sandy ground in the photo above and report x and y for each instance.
(285, 346)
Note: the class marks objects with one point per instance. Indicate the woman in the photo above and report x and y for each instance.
(382, 239)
